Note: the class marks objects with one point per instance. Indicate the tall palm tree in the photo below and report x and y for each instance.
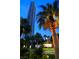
(25, 29)
(49, 18)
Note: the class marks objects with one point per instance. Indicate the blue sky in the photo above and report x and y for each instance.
(24, 7)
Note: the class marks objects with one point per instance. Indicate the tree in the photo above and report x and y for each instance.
(24, 26)
(45, 36)
(25, 29)
(38, 38)
(49, 19)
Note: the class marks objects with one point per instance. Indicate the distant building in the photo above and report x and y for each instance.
(47, 45)
(31, 17)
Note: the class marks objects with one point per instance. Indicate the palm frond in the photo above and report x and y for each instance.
(41, 21)
(46, 24)
(56, 5)
(43, 7)
(43, 13)
(46, 16)
(40, 26)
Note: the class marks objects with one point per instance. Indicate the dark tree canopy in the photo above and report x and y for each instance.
(24, 26)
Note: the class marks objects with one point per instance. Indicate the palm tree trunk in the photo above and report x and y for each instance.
(56, 46)
(55, 41)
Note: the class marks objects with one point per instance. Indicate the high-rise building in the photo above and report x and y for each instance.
(31, 17)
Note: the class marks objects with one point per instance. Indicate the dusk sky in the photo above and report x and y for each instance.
(24, 7)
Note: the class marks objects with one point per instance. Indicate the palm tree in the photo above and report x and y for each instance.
(25, 29)
(49, 18)
(24, 26)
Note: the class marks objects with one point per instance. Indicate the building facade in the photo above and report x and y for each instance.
(31, 17)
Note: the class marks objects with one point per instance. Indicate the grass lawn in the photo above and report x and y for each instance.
(48, 50)
(32, 55)
(45, 49)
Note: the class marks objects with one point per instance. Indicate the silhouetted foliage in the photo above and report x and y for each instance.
(24, 26)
